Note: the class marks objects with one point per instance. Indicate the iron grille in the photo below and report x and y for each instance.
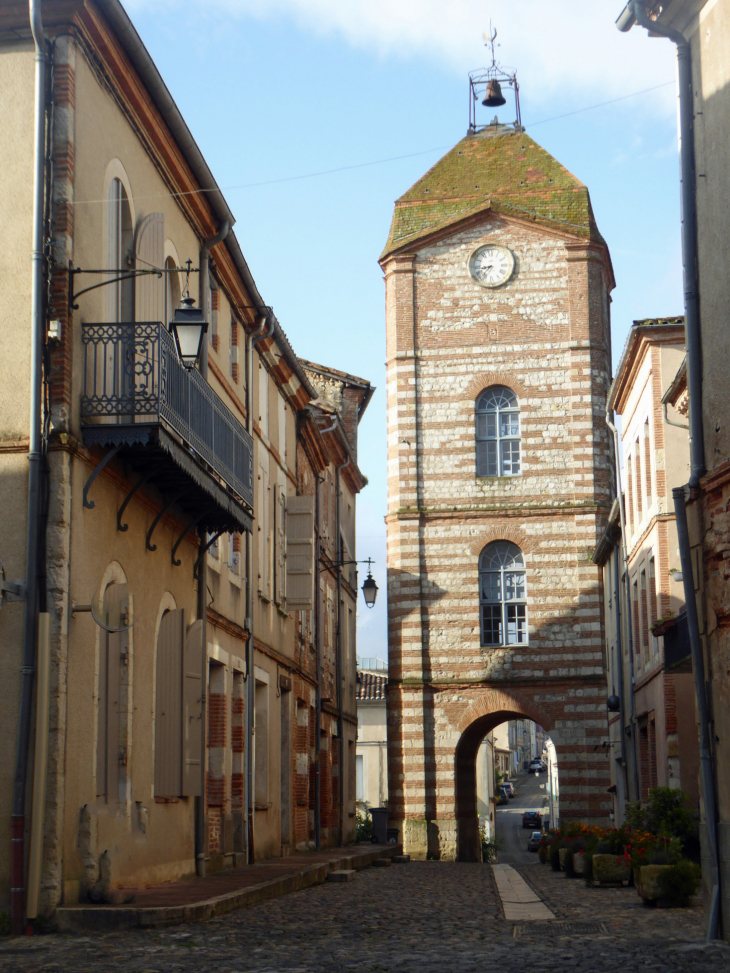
(133, 377)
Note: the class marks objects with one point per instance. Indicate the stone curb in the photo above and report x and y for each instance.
(110, 918)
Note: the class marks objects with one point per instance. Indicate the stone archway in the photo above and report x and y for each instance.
(483, 715)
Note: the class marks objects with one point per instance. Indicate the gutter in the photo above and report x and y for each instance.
(635, 12)
(338, 658)
(35, 474)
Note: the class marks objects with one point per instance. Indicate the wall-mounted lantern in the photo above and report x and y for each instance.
(188, 326)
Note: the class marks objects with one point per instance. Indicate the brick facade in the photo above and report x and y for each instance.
(545, 335)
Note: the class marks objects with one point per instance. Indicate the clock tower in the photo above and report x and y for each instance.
(499, 478)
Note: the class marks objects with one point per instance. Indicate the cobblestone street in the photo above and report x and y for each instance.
(422, 917)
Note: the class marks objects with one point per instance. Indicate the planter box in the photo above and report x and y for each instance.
(610, 870)
(563, 856)
(646, 880)
(579, 864)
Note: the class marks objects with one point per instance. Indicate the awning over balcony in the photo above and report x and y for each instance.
(173, 429)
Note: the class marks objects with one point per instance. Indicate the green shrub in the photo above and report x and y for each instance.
(667, 812)
(679, 883)
(363, 826)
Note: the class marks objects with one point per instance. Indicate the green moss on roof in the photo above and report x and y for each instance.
(507, 173)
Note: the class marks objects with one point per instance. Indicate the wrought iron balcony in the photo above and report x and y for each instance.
(138, 395)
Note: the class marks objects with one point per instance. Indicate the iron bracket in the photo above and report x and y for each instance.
(90, 504)
(10, 590)
(141, 482)
(204, 550)
(127, 275)
(160, 515)
(193, 523)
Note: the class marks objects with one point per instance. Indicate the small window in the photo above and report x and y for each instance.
(503, 595)
(498, 432)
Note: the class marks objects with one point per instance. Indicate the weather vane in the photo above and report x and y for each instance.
(490, 36)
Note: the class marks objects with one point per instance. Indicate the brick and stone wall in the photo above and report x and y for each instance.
(544, 334)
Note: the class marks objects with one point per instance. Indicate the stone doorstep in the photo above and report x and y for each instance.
(101, 918)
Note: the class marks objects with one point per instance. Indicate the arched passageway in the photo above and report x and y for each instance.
(465, 778)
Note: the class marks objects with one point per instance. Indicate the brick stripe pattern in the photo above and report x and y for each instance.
(545, 335)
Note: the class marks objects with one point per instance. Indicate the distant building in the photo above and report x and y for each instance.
(652, 728)
(372, 738)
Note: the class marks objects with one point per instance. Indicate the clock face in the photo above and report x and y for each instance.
(491, 265)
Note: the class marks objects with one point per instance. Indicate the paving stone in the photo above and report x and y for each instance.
(401, 859)
(342, 875)
(434, 917)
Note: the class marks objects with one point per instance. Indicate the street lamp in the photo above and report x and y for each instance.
(188, 326)
(369, 590)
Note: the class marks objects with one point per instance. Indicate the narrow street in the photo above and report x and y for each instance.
(421, 917)
(512, 838)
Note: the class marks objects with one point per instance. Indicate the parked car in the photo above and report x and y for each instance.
(509, 787)
(536, 767)
(533, 842)
(532, 819)
(503, 797)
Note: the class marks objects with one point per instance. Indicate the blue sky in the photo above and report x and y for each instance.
(277, 89)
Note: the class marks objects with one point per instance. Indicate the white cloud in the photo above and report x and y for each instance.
(566, 49)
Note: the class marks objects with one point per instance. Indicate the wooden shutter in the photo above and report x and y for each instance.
(113, 647)
(149, 252)
(168, 704)
(300, 552)
(280, 545)
(192, 710)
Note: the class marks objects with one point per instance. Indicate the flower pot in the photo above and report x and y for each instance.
(646, 880)
(610, 870)
(579, 864)
(563, 856)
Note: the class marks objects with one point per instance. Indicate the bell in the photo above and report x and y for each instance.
(493, 97)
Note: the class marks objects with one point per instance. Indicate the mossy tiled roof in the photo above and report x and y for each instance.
(508, 173)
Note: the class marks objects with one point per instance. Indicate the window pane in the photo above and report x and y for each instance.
(491, 587)
(510, 452)
(509, 424)
(481, 425)
(514, 587)
(486, 459)
(491, 625)
(491, 418)
(516, 624)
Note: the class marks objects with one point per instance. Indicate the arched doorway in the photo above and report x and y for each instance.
(477, 722)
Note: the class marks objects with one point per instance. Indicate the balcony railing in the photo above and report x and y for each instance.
(133, 378)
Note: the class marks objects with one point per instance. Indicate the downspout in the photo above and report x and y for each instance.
(698, 667)
(202, 606)
(627, 601)
(338, 658)
(35, 473)
(619, 654)
(266, 329)
(318, 701)
(635, 12)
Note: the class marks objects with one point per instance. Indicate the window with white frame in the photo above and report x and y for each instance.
(497, 417)
(503, 594)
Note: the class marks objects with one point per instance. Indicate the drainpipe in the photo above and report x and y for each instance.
(627, 601)
(202, 607)
(266, 329)
(35, 473)
(338, 658)
(619, 650)
(203, 278)
(698, 667)
(635, 12)
(318, 701)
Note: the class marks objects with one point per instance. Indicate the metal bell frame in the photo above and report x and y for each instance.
(479, 82)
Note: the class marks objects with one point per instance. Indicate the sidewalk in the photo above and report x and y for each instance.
(197, 899)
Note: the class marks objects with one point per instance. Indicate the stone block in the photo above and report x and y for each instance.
(381, 863)
(610, 870)
(341, 875)
(400, 859)
(646, 880)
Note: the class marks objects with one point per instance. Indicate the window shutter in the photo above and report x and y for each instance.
(280, 546)
(192, 709)
(116, 602)
(168, 707)
(149, 251)
(300, 552)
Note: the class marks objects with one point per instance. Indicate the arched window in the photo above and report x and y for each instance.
(120, 294)
(498, 432)
(502, 594)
